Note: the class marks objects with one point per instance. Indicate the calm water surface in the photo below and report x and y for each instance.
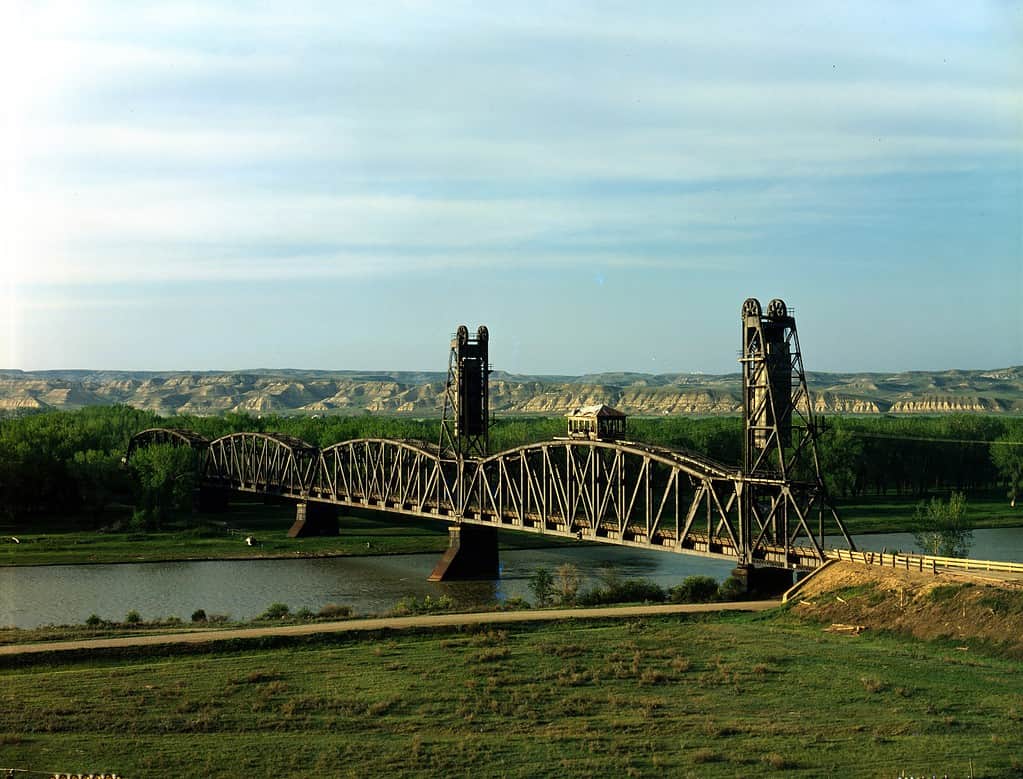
(68, 594)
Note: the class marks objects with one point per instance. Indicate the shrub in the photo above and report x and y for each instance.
(624, 591)
(94, 621)
(514, 604)
(695, 589)
(275, 611)
(541, 584)
(732, 588)
(427, 605)
(133, 617)
(199, 615)
(334, 611)
(567, 581)
(304, 614)
(943, 529)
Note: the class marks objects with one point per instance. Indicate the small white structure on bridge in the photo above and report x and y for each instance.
(597, 423)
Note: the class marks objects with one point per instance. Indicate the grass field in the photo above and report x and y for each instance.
(725, 696)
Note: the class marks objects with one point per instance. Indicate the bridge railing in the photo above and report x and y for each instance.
(922, 562)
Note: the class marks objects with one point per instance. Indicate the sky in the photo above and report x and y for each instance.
(221, 186)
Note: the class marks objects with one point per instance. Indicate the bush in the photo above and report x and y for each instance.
(334, 611)
(541, 584)
(514, 604)
(943, 529)
(304, 614)
(199, 615)
(695, 589)
(624, 591)
(275, 611)
(94, 621)
(733, 588)
(133, 617)
(427, 605)
(567, 580)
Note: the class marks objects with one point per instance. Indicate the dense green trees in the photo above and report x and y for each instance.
(67, 464)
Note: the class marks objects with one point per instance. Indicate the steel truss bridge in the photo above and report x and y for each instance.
(615, 492)
(591, 486)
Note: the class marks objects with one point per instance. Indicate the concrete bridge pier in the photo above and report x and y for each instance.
(471, 554)
(765, 580)
(210, 500)
(314, 519)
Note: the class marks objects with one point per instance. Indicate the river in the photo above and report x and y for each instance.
(68, 594)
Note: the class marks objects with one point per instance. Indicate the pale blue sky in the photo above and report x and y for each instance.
(339, 185)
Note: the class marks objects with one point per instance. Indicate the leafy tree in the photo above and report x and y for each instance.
(166, 477)
(567, 581)
(541, 584)
(99, 477)
(943, 528)
(1007, 456)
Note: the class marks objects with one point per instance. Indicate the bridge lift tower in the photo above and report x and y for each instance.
(465, 428)
(465, 433)
(780, 436)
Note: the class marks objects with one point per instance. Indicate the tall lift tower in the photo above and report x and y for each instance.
(465, 428)
(781, 434)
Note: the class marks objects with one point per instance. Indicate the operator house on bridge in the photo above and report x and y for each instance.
(596, 423)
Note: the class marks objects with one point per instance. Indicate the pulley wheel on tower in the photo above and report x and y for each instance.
(751, 307)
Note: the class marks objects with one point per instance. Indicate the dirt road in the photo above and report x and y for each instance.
(384, 623)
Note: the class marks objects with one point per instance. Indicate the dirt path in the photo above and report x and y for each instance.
(384, 623)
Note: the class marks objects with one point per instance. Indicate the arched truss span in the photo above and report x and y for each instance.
(267, 463)
(165, 435)
(405, 476)
(615, 492)
(638, 495)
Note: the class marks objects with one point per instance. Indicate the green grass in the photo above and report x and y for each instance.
(724, 696)
(222, 537)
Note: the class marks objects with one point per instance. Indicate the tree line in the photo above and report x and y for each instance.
(63, 464)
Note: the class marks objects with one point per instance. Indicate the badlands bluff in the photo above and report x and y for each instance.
(422, 394)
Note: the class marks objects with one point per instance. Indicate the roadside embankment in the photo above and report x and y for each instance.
(957, 607)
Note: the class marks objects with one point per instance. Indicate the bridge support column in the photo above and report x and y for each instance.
(210, 500)
(471, 554)
(314, 519)
(765, 581)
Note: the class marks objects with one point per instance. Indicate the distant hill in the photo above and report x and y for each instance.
(422, 393)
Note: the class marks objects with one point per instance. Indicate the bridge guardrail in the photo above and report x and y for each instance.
(922, 562)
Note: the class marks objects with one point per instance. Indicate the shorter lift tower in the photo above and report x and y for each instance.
(464, 436)
(465, 428)
(782, 484)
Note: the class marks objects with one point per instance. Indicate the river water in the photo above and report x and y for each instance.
(68, 594)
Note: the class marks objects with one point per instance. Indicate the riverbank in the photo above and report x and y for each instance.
(719, 695)
(223, 536)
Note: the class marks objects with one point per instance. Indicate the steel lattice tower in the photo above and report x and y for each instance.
(780, 434)
(465, 427)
